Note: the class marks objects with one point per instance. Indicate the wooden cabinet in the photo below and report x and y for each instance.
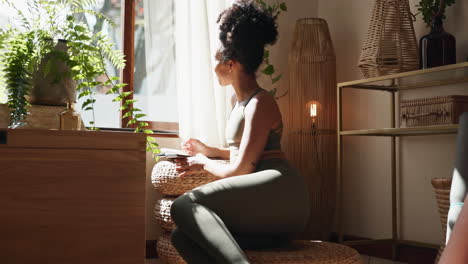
(72, 197)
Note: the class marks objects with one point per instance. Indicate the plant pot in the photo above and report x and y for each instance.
(52, 82)
(437, 48)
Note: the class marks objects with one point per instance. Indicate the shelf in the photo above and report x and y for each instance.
(444, 77)
(460, 71)
(407, 131)
(385, 241)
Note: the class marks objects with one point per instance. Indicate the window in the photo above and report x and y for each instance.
(106, 112)
(153, 59)
(154, 84)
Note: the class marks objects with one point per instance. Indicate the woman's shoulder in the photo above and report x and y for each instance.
(263, 101)
(264, 96)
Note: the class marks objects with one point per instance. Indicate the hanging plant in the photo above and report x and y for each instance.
(270, 71)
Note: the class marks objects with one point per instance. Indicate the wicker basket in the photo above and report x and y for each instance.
(166, 179)
(162, 213)
(441, 110)
(299, 252)
(442, 192)
(390, 45)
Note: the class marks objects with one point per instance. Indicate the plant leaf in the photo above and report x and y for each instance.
(283, 6)
(132, 121)
(139, 115)
(269, 70)
(127, 114)
(80, 28)
(277, 78)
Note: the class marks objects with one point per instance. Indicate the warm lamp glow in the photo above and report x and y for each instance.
(313, 110)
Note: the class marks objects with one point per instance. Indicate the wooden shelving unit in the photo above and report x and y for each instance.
(392, 84)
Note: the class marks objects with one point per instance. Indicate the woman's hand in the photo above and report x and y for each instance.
(191, 165)
(194, 146)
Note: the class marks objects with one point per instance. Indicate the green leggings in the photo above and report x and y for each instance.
(263, 209)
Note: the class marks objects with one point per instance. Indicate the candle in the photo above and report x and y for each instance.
(313, 110)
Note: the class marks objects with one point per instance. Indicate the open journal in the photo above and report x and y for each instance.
(172, 153)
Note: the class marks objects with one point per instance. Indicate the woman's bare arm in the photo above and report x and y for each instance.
(223, 153)
(194, 146)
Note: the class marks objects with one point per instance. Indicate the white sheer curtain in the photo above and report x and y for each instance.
(159, 44)
(203, 105)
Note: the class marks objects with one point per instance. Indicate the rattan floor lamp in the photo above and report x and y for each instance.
(390, 45)
(310, 141)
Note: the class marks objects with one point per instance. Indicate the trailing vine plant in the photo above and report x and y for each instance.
(275, 9)
(24, 48)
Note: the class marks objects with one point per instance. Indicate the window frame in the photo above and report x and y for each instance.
(127, 73)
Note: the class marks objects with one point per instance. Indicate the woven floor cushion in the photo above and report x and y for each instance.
(442, 193)
(166, 179)
(299, 252)
(162, 213)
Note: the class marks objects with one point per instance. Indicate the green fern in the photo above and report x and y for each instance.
(96, 14)
(24, 22)
(17, 76)
(116, 57)
(80, 3)
(21, 54)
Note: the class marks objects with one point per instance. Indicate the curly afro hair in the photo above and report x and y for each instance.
(245, 30)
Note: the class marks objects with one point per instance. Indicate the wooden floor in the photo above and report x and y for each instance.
(365, 260)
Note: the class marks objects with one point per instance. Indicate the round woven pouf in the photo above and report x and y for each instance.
(442, 193)
(166, 179)
(162, 213)
(299, 252)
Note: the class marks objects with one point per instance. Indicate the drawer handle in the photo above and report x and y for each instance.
(413, 116)
(3, 136)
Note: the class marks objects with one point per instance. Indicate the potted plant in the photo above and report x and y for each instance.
(31, 52)
(438, 47)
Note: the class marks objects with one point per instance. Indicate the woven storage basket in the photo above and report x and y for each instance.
(299, 252)
(440, 110)
(166, 179)
(390, 45)
(442, 192)
(162, 213)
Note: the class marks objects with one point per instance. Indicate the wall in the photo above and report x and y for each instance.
(279, 52)
(367, 160)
